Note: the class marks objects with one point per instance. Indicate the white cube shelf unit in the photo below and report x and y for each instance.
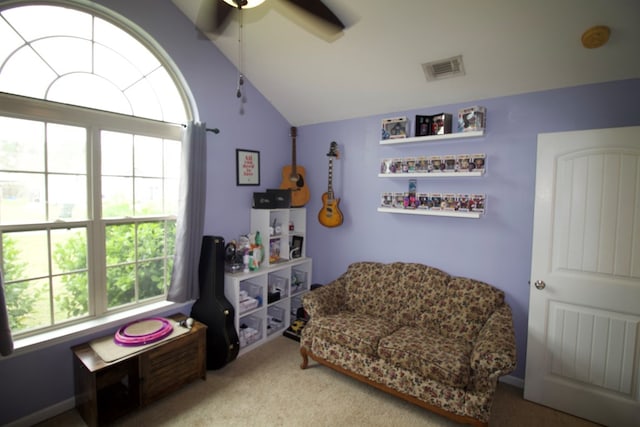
(262, 299)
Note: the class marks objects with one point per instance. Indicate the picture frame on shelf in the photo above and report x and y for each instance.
(395, 128)
(296, 247)
(247, 167)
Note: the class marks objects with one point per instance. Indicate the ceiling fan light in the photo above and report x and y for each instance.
(245, 4)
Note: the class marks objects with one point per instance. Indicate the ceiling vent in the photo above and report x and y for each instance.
(444, 68)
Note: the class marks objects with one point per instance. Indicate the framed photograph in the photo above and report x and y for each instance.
(247, 167)
(296, 247)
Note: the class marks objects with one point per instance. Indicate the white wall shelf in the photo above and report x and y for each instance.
(428, 212)
(431, 175)
(433, 138)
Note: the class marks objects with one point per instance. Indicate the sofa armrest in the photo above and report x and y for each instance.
(328, 299)
(494, 352)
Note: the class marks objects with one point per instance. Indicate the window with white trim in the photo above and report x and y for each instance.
(89, 165)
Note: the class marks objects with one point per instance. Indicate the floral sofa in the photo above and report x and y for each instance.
(416, 332)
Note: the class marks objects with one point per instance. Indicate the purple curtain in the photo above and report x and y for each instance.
(189, 227)
(6, 342)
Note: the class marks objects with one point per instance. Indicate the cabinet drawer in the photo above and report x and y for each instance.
(173, 365)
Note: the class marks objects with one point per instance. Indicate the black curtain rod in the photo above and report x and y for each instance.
(214, 130)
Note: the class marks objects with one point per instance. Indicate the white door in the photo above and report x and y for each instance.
(584, 304)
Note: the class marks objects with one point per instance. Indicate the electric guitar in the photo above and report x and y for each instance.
(330, 215)
(293, 178)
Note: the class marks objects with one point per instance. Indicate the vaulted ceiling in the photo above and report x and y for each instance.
(374, 66)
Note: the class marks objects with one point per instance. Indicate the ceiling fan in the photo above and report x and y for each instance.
(214, 14)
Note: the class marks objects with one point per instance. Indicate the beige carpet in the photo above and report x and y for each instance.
(266, 387)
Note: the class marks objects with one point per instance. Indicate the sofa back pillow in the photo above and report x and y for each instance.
(415, 294)
(400, 292)
(466, 307)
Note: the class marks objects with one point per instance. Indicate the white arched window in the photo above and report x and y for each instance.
(90, 114)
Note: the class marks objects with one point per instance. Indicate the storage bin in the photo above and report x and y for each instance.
(298, 281)
(250, 296)
(277, 284)
(275, 319)
(296, 303)
(250, 330)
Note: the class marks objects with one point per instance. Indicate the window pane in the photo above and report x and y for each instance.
(151, 279)
(21, 145)
(34, 22)
(22, 198)
(26, 74)
(173, 108)
(117, 197)
(10, 41)
(70, 296)
(127, 46)
(69, 249)
(172, 158)
(89, 90)
(67, 197)
(151, 240)
(149, 200)
(28, 255)
(111, 65)
(120, 244)
(148, 156)
(144, 100)
(66, 149)
(117, 153)
(120, 285)
(28, 305)
(171, 196)
(65, 54)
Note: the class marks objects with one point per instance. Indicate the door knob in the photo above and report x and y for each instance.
(540, 285)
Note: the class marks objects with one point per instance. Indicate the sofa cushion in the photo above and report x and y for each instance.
(428, 353)
(359, 332)
(466, 308)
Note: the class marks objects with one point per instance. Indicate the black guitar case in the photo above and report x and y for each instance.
(212, 308)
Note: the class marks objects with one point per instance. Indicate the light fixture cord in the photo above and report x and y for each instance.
(241, 57)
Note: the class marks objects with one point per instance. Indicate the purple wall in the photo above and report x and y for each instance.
(495, 248)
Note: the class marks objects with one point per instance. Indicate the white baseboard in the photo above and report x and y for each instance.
(44, 414)
(511, 380)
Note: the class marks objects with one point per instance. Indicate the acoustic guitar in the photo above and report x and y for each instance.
(330, 215)
(293, 178)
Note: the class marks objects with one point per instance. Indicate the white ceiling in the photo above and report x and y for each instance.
(374, 66)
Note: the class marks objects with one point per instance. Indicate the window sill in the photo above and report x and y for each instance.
(92, 327)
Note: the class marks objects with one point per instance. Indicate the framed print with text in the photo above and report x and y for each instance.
(247, 167)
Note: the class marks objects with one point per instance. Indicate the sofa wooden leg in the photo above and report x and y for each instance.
(305, 358)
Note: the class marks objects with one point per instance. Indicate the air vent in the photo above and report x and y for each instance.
(444, 68)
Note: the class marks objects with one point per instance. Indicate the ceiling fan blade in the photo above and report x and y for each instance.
(213, 15)
(318, 9)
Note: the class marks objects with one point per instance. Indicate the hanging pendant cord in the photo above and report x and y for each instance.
(241, 57)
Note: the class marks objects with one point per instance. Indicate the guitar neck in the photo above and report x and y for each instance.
(293, 149)
(330, 185)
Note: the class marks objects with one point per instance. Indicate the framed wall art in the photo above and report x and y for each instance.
(247, 167)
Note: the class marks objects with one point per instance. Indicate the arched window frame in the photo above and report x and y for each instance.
(95, 122)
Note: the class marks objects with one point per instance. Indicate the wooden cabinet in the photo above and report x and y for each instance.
(106, 391)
